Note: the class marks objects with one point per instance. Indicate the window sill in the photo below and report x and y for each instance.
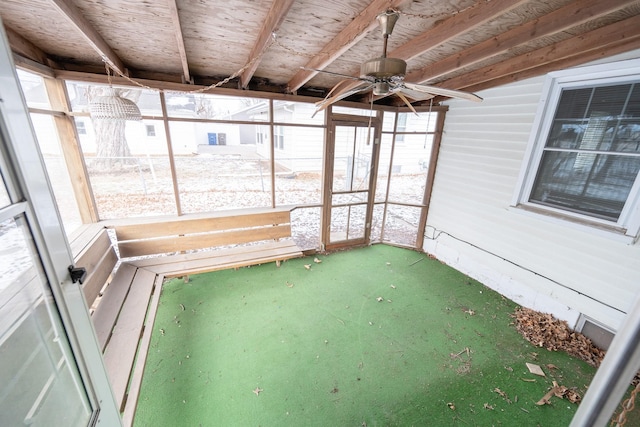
(583, 224)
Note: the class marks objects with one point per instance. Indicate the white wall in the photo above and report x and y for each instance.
(538, 263)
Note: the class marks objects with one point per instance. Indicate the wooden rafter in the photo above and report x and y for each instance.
(177, 30)
(554, 22)
(616, 48)
(345, 39)
(273, 20)
(460, 23)
(24, 47)
(75, 17)
(578, 49)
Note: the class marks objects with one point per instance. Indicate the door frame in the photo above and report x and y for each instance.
(23, 163)
(334, 120)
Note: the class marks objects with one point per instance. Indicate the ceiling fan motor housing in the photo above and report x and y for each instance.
(382, 68)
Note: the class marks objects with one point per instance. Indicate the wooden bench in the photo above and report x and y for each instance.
(123, 292)
(119, 299)
(200, 243)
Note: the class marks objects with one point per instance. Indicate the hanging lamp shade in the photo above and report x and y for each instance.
(113, 107)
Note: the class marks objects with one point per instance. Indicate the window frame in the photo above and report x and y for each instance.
(614, 73)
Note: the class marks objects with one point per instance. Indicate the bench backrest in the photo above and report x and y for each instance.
(191, 232)
(92, 249)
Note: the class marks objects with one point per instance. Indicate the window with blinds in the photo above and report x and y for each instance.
(591, 158)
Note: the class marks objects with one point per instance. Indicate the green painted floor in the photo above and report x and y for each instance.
(378, 336)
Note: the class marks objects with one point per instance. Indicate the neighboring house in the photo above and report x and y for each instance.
(562, 240)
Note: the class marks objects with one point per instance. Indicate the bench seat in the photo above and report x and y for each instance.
(221, 259)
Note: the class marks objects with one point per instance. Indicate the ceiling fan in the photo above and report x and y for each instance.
(385, 76)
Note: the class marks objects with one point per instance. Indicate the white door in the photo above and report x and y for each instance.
(51, 371)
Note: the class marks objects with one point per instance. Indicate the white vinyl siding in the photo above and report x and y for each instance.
(543, 264)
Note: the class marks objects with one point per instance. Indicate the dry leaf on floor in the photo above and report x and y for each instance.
(502, 394)
(535, 369)
(307, 266)
(317, 261)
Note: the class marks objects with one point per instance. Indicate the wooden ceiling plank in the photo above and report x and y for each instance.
(97, 42)
(460, 23)
(343, 41)
(275, 16)
(622, 46)
(177, 30)
(595, 40)
(569, 16)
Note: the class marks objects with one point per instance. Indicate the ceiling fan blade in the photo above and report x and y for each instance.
(415, 94)
(321, 105)
(346, 76)
(435, 90)
(406, 101)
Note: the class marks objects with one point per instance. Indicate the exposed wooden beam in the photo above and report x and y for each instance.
(460, 23)
(177, 31)
(25, 48)
(579, 49)
(569, 16)
(275, 16)
(349, 36)
(616, 48)
(32, 66)
(75, 17)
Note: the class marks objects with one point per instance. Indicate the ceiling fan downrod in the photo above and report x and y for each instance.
(387, 21)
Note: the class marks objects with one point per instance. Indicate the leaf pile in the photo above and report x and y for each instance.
(544, 330)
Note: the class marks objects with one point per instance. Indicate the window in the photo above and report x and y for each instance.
(278, 135)
(81, 127)
(151, 130)
(584, 160)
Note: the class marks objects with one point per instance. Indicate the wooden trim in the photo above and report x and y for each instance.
(189, 225)
(272, 22)
(172, 163)
(89, 33)
(554, 22)
(177, 31)
(32, 66)
(272, 154)
(355, 31)
(179, 87)
(133, 248)
(70, 147)
(431, 173)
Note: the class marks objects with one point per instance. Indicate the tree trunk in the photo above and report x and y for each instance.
(111, 144)
(112, 149)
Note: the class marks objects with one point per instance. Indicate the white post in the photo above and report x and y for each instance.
(614, 376)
